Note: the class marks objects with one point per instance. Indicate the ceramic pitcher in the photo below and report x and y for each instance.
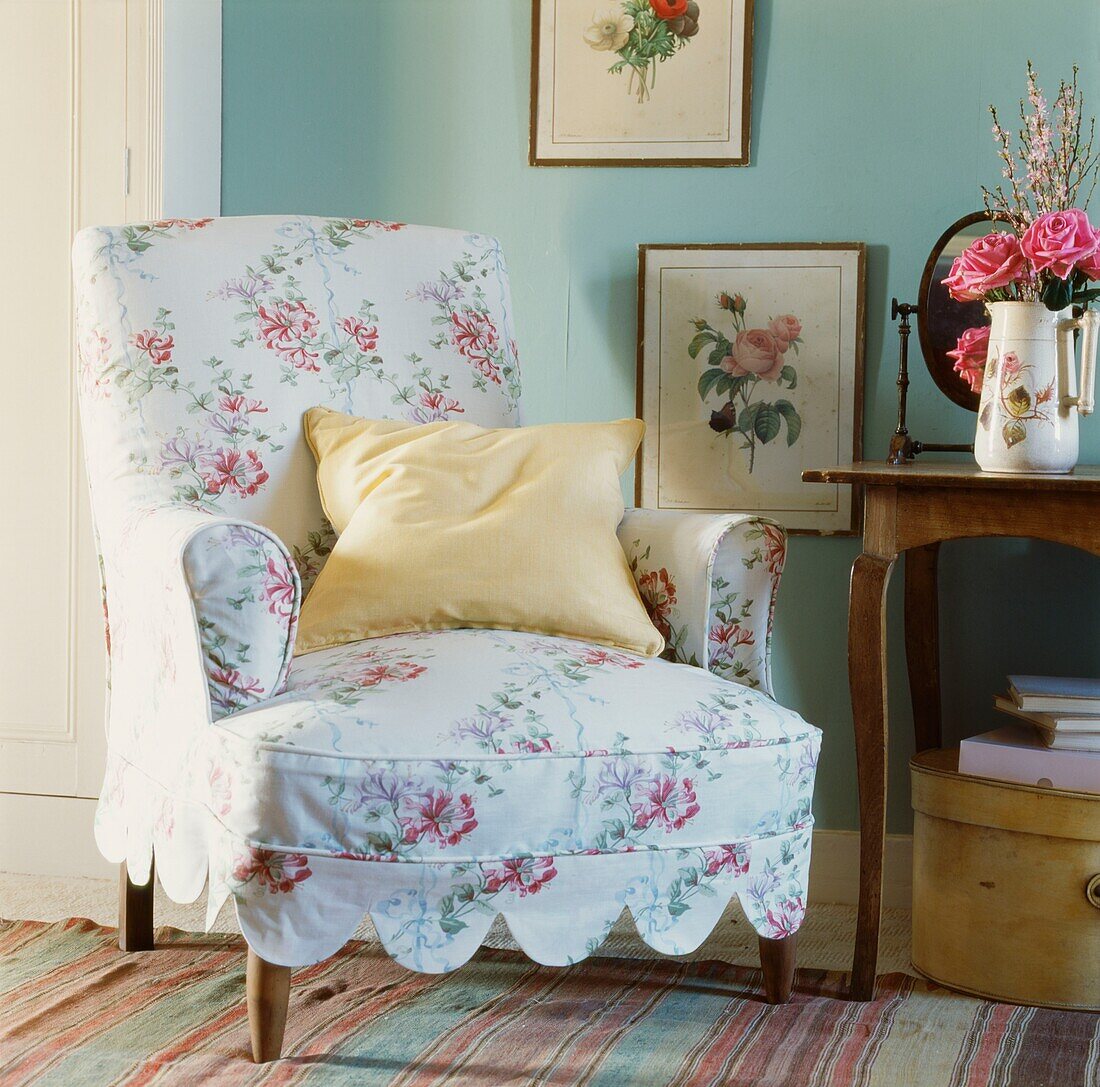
(1027, 420)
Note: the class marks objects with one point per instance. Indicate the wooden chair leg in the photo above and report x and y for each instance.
(777, 958)
(268, 990)
(135, 913)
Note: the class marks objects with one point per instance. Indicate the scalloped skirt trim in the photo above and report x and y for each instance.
(297, 908)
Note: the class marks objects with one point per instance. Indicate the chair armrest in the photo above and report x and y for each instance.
(202, 614)
(709, 582)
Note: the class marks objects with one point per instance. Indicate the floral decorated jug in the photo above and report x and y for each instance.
(1027, 420)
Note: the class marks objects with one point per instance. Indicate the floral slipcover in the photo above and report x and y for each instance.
(432, 780)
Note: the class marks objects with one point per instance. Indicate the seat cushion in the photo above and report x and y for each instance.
(436, 780)
(469, 745)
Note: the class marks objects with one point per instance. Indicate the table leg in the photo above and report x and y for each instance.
(922, 643)
(867, 677)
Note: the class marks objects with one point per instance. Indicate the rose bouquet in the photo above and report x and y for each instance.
(643, 33)
(1052, 251)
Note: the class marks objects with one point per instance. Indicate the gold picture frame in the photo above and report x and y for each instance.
(556, 131)
(777, 331)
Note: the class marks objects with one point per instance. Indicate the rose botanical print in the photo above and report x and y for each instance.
(641, 82)
(736, 368)
(642, 34)
(750, 371)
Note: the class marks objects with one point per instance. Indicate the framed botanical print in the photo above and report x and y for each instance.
(750, 369)
(641, 82)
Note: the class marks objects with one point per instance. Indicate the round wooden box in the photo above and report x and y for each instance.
(1006, 886)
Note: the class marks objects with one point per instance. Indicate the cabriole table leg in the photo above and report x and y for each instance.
(922, 643)
(867, 677)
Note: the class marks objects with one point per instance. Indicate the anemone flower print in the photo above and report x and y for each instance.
(642, 34)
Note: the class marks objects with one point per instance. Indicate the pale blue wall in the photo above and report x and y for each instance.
(869, 124)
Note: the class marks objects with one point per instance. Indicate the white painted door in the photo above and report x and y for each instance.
(77, 88)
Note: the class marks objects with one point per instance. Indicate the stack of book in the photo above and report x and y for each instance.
(1058, 746)
(1065, 712)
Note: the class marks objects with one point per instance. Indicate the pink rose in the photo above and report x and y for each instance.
(970, 355)
(755, 351)
(785, 329)
(1059, 240)
(1010, 367)
(990, 262)
(1090, 266)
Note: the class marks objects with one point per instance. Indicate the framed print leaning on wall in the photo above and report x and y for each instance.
(750, 368)
(640, 82)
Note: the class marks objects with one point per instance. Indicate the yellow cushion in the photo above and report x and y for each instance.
(448, 524)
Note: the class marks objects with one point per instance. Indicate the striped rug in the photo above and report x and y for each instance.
(74, 1011)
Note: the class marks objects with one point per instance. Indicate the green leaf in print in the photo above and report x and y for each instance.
(792, 419)
(767, 422)
(698, 342)
(721, 350)
(708, 380)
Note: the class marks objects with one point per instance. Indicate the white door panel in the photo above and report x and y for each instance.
(75, 78)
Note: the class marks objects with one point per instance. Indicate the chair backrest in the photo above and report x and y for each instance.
(202, 342)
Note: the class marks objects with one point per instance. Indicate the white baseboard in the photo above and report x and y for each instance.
(52, 836)
(834, 869)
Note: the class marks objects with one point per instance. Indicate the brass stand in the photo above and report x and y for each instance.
(903, 448)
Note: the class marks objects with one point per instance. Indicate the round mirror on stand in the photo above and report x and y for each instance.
(940, 322)
(940, 319)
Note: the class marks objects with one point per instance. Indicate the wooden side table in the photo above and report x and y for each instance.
(912, 508)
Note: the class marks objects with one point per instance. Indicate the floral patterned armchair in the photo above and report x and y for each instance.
(548, 780)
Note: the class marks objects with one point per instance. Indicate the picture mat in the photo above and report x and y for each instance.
(696, 110)
(684, 464)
